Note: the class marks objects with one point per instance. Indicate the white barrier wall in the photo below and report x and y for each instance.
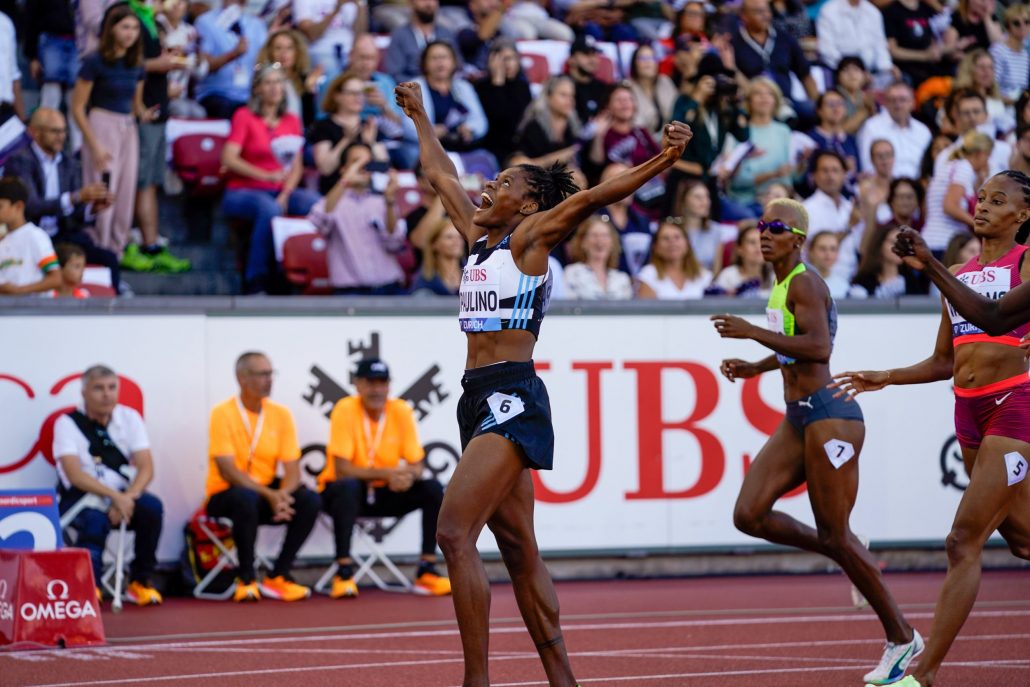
(652, 443)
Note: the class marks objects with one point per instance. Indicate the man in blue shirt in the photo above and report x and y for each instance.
(231, 39)
(759, 49)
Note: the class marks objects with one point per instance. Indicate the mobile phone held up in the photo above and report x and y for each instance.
(380, 178)
(105, 179)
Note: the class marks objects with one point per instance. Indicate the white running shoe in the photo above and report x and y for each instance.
(895, 660)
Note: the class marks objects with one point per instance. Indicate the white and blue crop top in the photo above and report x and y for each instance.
(496, 295)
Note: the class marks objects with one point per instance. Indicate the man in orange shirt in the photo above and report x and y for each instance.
(374, 464)
(250, 437)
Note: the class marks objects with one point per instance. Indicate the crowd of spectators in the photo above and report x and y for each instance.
(874, 113)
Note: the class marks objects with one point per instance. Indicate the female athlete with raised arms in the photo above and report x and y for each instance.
(504, 415)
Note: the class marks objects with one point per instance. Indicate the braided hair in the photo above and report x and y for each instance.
(1024, 181)
(550, 186)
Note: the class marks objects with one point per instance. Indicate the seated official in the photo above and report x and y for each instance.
(250, 437)
(102, 448)
(374, 465)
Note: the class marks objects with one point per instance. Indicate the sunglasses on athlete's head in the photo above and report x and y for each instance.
(776, 227)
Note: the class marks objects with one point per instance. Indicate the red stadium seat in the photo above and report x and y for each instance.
(304, 262)
(197, 159)
(99, 291)
(535, 67)
(407, 200)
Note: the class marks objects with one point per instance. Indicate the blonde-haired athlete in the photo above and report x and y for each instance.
(820, 438)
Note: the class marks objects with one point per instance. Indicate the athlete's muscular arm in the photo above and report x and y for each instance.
(994, 317)
(940, 365)
(735, 368)
(545, 230)
(437, 167)
(806, 298)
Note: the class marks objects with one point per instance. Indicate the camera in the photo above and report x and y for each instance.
(725, 86)
(380, 177)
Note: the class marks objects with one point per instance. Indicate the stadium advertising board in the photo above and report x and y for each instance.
(651, 442)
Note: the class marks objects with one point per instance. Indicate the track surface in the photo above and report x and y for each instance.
(769, 631)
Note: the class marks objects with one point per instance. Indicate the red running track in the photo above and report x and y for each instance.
(769, 631)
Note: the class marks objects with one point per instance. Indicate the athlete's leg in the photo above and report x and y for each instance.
(512, 526)
(488, 470)
(832, 491)
(778, 468)
(985, 504)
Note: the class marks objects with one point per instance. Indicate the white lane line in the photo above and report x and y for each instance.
(568, 627)
(571, 627)
(285, 631)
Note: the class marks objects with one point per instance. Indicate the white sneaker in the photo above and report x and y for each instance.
(895, 660)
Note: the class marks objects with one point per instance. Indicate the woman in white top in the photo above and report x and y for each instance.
(673, 272)
(706, 237)
(656, 93)
(976, 71)
(1011, 61)
(595, 275)
(822, 255)
(749, 275)
(947, 198)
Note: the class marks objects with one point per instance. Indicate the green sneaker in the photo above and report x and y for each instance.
(907, 682)
(164, 261)
(136, 260)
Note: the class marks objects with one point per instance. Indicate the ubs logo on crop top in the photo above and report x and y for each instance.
(474, 275)
(986, 278)
(426, 394)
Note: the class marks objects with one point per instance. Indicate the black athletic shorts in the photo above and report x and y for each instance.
(821, 406)
(510, 400)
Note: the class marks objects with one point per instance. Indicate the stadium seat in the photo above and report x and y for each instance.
(605, 69)
(99, 291)
(197, 159)
(407, 200)
(304, 262)
(367, 551)
(535, 67)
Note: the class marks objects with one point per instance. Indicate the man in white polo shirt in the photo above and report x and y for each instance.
(829, 210)
(28, 263)
(895, 123)
(102, 449)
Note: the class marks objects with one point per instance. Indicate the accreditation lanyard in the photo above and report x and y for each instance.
(257, 429)
(372, 447)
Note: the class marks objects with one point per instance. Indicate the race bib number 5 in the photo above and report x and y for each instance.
(1015, 467)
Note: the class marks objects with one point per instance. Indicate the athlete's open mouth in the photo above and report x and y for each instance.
(487, 201)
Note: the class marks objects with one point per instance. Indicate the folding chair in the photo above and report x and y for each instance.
(368, 535)
(109, 579)
(227, 559)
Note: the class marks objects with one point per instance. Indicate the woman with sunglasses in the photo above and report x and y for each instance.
(978, 345)
(820, 438)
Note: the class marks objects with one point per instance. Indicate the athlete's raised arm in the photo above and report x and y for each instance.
(436, 166)
(994, 317)
(545, 230)
(810, 343)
